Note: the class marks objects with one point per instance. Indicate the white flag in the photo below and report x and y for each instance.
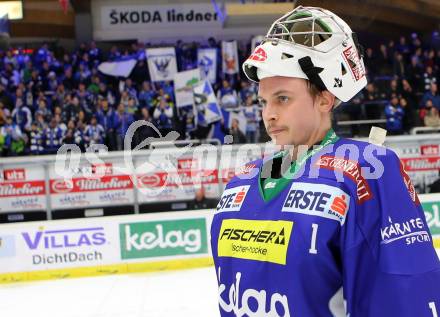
(117, 68)
(240, 117)
(207, 61)
(208, 110)
(183, 86)
(230, 57)
(161, 63)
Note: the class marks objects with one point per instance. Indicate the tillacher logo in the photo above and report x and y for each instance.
(163, 238)
(259, 240)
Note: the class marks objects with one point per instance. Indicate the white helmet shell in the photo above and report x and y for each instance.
(328, 42)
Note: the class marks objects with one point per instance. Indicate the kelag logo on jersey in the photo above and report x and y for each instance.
(260, 240)
(250, 301)
(232, 199)
(317, 200)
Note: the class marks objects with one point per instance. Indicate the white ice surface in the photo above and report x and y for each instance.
(187, 293)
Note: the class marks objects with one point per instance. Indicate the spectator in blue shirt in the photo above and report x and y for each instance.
(433, 95)
(94, 133)
(226, 96)
(105, 116)
(36, 140)
(394, 114)
(79, 137)
(106, 93)
(11, 138)
(123, 121)
(146, 96)
(52, 137)
(252, 113)
(163, 115)
(130, 88)
(22, 116)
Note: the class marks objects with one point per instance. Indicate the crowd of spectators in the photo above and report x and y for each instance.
(49, 97)
(403, 84)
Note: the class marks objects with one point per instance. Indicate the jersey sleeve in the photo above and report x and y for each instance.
(390, 267)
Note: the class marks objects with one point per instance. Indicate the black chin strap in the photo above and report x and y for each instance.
(312, 72)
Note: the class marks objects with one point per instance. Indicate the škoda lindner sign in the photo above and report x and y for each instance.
(139, 16)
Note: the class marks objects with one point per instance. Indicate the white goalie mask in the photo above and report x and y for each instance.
(314, 44)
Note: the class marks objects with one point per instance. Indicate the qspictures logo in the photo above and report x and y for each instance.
(259, 240)
(163, 238)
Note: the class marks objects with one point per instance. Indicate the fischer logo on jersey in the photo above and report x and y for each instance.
(412, 231)
(352, 170)
(232, 199)
(317, 200)
(259, 240)
(240, 301)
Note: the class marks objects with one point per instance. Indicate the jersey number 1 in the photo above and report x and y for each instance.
(312, 249)
(433, 309)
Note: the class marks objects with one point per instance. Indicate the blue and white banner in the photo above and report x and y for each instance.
(4, 25)
(183, 86)
(207, 61)
(240, 117)
(161, 63)
(230, 57)
(208, 110)
(189, 113)
(118, 68)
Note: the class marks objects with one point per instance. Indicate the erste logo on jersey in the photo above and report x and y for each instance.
(317, 200)
(232, 198)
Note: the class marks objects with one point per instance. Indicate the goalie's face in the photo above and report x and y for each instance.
(291, 114)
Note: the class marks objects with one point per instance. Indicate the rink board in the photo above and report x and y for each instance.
(122, 244)
(106, 245)
(431, 206)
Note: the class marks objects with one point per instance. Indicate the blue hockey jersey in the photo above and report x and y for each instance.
(346, 236)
